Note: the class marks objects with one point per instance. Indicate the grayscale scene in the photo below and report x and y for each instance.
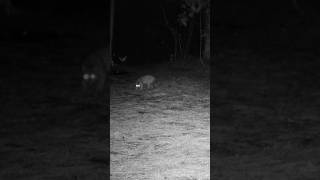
(160, 101)
(265, 100)
(105, 89)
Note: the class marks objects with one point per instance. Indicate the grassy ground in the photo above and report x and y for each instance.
(47, 131)
(162, 133)
(265, 111)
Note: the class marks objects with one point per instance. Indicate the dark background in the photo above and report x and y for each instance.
(139, 30)
(264, 24)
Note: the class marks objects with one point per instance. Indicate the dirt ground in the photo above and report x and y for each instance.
(163, 133)
(265, 110)
(49, 131)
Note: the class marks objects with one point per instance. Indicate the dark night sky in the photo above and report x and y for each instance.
(252, 12)
(135, 21)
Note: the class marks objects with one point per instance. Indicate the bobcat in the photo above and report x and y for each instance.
(95, 70)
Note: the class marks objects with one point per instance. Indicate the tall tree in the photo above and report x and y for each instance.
(207, 34)
(8, 8)
(111, 27)
(186, 18)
